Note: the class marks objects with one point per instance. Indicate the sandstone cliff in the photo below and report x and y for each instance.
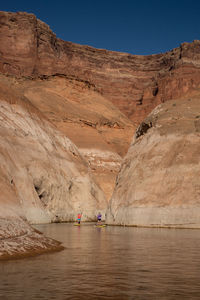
(44, 178)
(75, 86)
(58, 86)
(50, 176)
(135, 84)
(99, 130)
(158, 184)
(52, 90)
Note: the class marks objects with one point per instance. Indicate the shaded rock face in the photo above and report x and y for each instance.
(158, 184)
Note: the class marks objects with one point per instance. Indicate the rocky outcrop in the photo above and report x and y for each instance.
(158, 184)
(18, 239)
(135, 84)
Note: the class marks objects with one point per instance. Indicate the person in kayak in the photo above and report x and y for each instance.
(79, 218)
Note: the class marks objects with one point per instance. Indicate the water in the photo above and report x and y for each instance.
(108, 263)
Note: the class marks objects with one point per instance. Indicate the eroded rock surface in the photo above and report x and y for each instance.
(135, 84)
(82, 89)
(158, 184)
(18, 239)
(44, 178)
(44, 165)
(50, 90)
(100, 131)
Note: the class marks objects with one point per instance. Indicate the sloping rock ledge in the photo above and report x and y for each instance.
(20, 240)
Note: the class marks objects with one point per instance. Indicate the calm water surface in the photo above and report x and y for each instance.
(108, 263)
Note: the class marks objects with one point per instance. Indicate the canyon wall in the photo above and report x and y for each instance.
(135, 84)
(57, 85)
(45, 167)
(99, 130)
(94, 96)
(158, 184)
(52, 91)
(43, 177)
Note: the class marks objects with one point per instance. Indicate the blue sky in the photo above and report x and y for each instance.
(137, 27)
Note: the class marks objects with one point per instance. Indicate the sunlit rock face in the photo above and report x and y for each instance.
(43, 176)
(50, 178)
(95, 97)
(135, 84)
(52, 90)
(100, 130)
(158, 184)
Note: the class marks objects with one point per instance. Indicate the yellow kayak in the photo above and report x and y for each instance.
(100, 226)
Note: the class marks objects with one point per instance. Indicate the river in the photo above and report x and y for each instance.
(108, 263)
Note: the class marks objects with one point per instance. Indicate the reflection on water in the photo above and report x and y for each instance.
(108, 263)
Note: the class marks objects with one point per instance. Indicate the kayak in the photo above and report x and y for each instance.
(76, 224)
(100, 226)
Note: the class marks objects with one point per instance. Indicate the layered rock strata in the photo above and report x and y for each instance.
(75, 86)
(99, 130)
(50, 90)
(135, 84)
(49, 174)
(43, 177)
(158, 184)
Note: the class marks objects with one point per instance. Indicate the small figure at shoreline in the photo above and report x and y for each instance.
(99, 218)
(79, 218)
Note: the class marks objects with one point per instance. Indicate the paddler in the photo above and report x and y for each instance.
(79, 218)
(99, 218)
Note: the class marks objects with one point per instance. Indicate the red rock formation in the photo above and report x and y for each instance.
(135, 84)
